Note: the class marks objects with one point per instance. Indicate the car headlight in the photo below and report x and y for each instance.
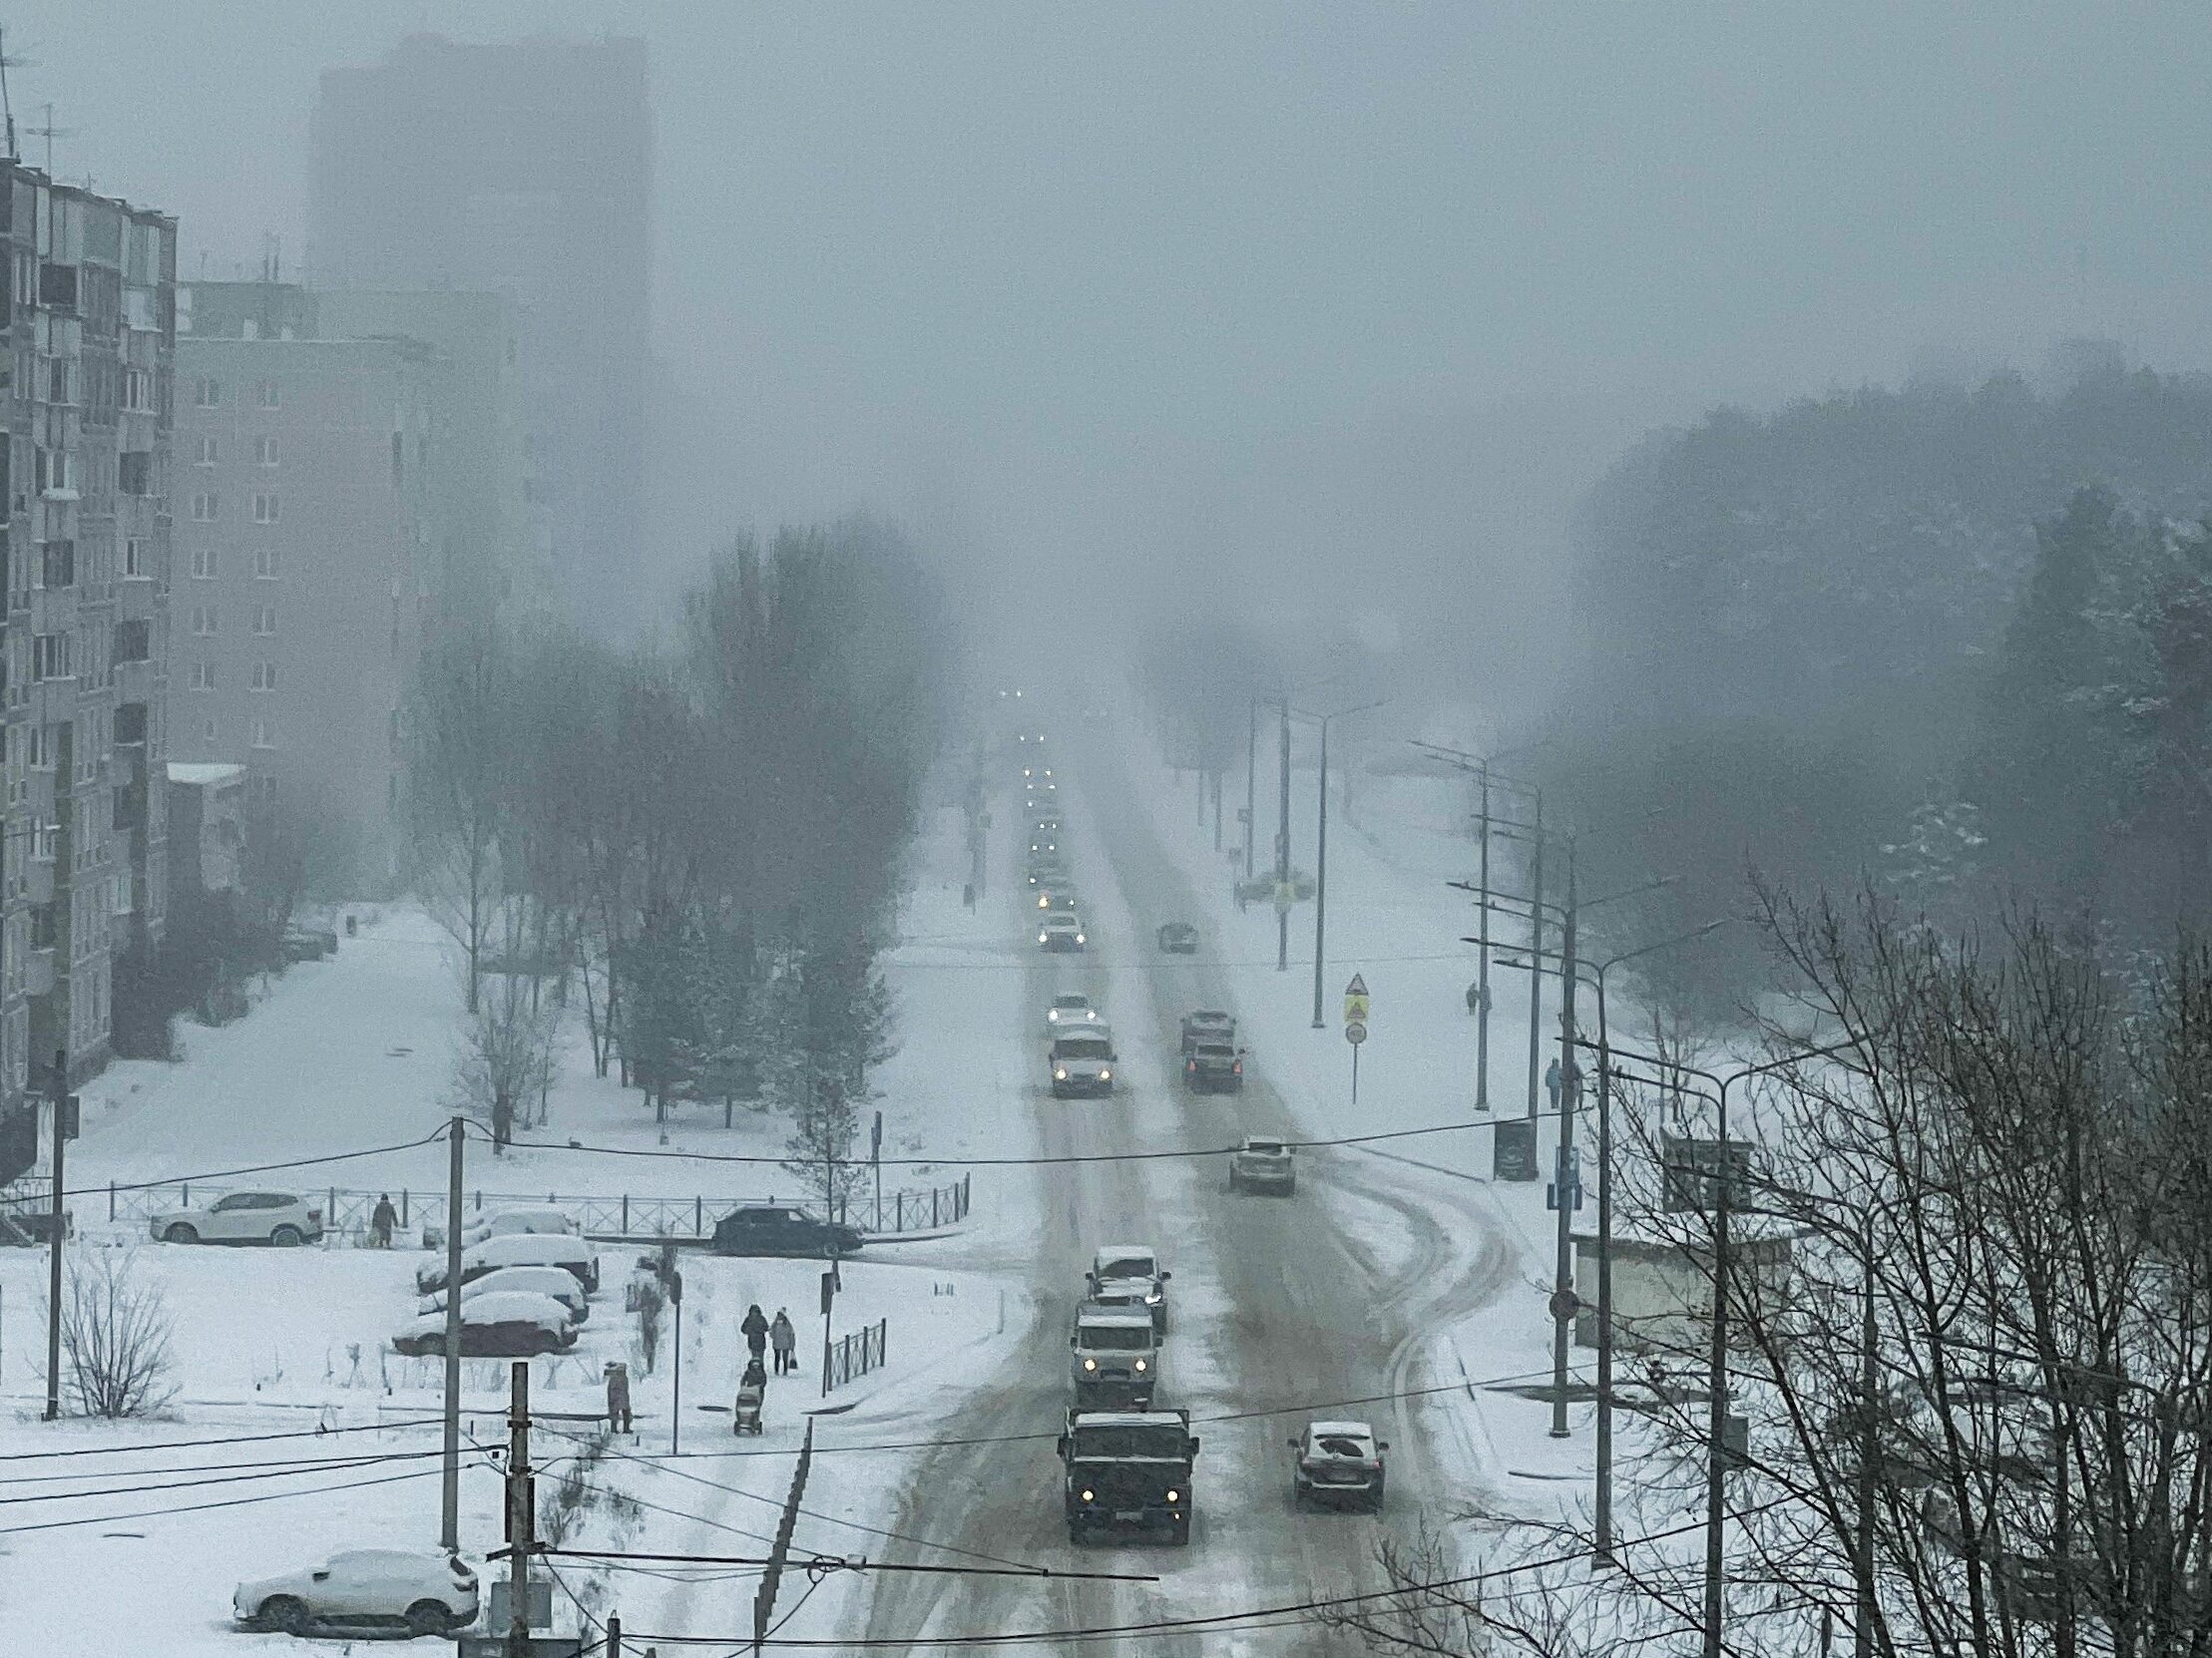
(1078, 938)
(1060, 1074)
(1091, 1363)
(1043, 902)
(1089, 1495)
(1105, 1075)
(1175, 1497)
(1141, 1365)
(1053, 1018)
(1041, 938)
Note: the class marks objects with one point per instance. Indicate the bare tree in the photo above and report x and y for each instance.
(460, 778)
(116, 1335)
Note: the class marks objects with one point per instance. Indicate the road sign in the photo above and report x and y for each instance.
(1355, 1033)
(1355, 1001)
(1284, 897)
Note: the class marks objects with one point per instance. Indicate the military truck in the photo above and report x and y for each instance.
(1129, 1470)
(1113, 1356)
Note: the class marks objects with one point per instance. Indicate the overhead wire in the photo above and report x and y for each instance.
(255, 1169)
(229, 1439)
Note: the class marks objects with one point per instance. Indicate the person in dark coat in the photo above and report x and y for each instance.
(787, 1343)
(617, 1398)
(381, 1221)
(755, 1328)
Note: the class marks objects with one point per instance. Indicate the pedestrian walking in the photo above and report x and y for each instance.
(755, 1328)
(1475, 996)
(787, 1343)
(1551, 1083)
(381, 1221)
(1573, 1079)
(617, 1398)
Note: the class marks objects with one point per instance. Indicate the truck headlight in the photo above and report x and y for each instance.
(1089, 1495)
(1105, 1075)
(1142, 1366)
(1041, 938)
(1060, 1075)
(1175, 1497)
(1091, 1363)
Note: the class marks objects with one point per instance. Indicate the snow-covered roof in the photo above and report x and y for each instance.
(1113, 1317)
(506, 1306)
(522, 1249)
(1107, 1252)
(1128, 1418)
(1341, 1429)
(202, 773)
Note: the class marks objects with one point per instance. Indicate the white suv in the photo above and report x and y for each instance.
(279, 1218)
(418, 1590)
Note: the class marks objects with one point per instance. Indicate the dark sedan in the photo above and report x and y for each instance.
(1179, 938)
(771, 1230)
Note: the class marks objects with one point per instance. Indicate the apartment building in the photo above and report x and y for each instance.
(308, 557)
(525, 169)
(88, 294)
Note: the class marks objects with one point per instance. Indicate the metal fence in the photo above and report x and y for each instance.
(346, 1211)
(855, 1354)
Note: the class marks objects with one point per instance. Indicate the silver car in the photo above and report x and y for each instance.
(1262, 1166)
(411, 1589)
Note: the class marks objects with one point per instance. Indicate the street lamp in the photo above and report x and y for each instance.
(1321, 842)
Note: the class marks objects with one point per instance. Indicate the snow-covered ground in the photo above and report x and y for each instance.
(354, 1051)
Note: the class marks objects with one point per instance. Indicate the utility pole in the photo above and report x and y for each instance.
(1536, 954)
(1282, 854)
(449, 1509)
(1321, 875)
(614, 1635)
(1482, 971)
(1217, 810)
(676, 1409)
(1567, 1181)
(53, 1242)
(1251, 776)
(1870, 1449)
(522, 1511)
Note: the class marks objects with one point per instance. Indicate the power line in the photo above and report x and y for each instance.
(233, 1474)
(257, 1168)
(205, 1507)
(233, 1438)
(1167, 1154)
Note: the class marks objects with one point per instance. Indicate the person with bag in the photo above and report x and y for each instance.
(787, 1343)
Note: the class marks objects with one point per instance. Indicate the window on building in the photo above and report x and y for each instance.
(49, 656)
(133, 557)
(203, 620)
(210, 451)
(207, 729)
(207, 393)
(270, 396)
(41, 746)
(264, 563)
(57, 379)
(134, 471)
(264, 451)
(202, 676)
(265, 619)
(57, 564)
(264, 508)
(264, 731)
(134, 640)
(203, 509)
(138, 391)
(263, 676)
(204, 562)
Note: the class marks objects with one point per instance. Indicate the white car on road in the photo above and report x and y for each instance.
(418, 1590)
(280, 1218)
(1068, 1011)
(1060, 931)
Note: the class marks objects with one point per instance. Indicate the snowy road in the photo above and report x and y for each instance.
(1277, 1305)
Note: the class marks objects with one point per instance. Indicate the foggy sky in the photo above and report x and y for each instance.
(1285, 286)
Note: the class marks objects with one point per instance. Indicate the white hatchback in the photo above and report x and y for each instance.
(280, 1218)
(418, 1590)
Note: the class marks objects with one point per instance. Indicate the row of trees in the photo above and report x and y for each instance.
(1977, 1377)
(697, 847)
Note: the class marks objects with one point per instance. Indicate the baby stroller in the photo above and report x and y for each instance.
(753, 1388)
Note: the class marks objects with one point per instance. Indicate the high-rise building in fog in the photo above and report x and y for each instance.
(88, 301)
(524, 168)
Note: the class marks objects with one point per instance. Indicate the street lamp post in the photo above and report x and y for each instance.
(1321, 844)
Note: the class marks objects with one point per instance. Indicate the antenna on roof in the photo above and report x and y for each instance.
(50, 133)
(7, 108)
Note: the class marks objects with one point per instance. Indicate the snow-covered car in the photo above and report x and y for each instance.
(1060, 931)
(1262, 1166)
(1178, 937)
(514, 1323)
(1208, 1025)
(517, 1221)
(525, 1249)
(557, 1282)
(419, 1590)
(285, 1219)
(1068, 1011)
(1133, 1272)
(1337, 1462)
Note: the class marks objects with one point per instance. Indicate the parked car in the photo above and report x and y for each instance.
(309, 944)
(285, 1219)
(1068, 1011)
(520, 1220)
(1178, 937)
(418, 1590)
(1262, 1166)
(528, 1249)
(1207, 1025)
(558, 1282)
(773, 1229)
(514, 1323)
(1337, 1462)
